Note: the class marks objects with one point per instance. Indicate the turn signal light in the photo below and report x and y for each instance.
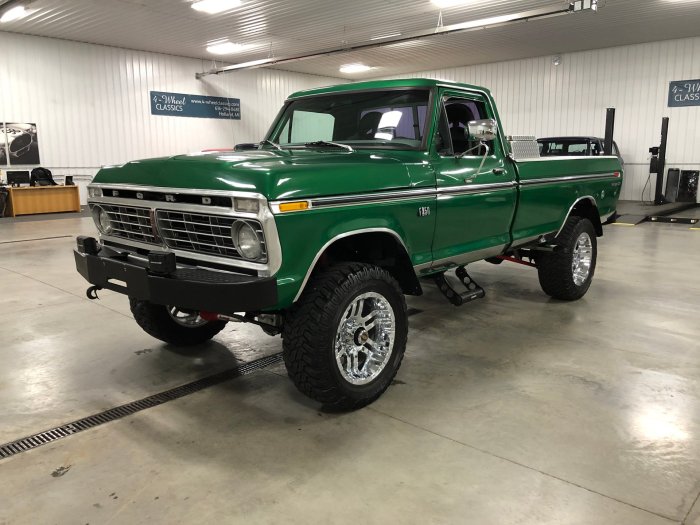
(294, 206)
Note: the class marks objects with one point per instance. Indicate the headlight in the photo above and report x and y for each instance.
(94, 192)
(246, 240)
(102, 220)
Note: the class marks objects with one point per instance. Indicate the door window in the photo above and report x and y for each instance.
(458, 112)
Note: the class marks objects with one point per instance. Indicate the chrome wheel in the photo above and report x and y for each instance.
(365, 337)
(582, 258)
(185, 318)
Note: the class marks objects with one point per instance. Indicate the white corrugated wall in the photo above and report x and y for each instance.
(91, 103)
(537, 98)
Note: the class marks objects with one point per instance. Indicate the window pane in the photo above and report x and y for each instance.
(308, 127)
(575, 149)
(459, 113)
(442, 138)
(377, 119)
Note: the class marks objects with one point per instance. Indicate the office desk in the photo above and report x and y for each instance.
(28, 200)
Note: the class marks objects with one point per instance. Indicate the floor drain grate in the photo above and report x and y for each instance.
(112, 414)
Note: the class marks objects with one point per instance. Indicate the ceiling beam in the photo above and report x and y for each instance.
(558, 9)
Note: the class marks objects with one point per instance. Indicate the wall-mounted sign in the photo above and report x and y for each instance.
(684, 93)
(199, 106)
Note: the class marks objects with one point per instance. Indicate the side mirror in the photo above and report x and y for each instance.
(483, 130)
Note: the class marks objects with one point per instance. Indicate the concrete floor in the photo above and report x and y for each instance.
(511, 410)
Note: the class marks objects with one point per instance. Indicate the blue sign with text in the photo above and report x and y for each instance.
(198, 106)
(684, 93)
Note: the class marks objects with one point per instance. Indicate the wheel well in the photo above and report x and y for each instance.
(587, 208)
(379, 248)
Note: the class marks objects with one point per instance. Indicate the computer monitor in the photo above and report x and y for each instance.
(17, 178)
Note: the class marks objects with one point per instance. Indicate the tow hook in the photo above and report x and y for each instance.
(92, 292)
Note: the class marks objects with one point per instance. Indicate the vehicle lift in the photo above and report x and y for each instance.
(663, 208)
(658, 166)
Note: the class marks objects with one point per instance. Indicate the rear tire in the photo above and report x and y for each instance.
(173, 326)
(567, 274)
(344, 340)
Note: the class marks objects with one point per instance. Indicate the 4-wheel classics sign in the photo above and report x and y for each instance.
(199, 106)
(683, 93)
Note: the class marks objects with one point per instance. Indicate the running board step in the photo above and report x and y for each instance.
(472, 290)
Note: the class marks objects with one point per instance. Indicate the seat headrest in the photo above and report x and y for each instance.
(369, 122)
(459, 114)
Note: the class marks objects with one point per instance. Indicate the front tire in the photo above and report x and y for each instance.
(344, 339)
(173, 325)
(567, 274)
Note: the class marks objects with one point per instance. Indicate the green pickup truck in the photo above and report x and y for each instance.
(359, 195)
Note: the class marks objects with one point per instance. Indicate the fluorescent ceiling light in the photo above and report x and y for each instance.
(354, 68)
(215, 6)
(408, 43)
(224, 47)
(16, 13)
(484, 22)
(382, 37)
(583, 5)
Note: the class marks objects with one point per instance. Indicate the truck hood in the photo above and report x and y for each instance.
(277, 175)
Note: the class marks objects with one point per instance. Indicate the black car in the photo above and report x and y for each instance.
(575, 146)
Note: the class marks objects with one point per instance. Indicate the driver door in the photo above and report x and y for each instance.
(477, 193)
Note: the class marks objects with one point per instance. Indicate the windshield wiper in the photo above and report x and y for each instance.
(273, 144)
(327, 143)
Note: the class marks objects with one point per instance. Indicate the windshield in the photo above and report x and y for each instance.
(393, 119)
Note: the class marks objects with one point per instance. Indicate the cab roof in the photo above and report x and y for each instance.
(383, 84)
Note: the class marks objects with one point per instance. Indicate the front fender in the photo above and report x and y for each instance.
(304, 236)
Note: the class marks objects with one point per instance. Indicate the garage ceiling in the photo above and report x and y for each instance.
(297, 27)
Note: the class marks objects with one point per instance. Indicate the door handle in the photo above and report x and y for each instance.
(498, 171)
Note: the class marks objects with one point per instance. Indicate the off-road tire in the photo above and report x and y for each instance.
(156, 321)
(555, 269)
(310, 329)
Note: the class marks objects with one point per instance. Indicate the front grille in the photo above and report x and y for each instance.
(195, 232)
(131, 223)
(191, 232)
